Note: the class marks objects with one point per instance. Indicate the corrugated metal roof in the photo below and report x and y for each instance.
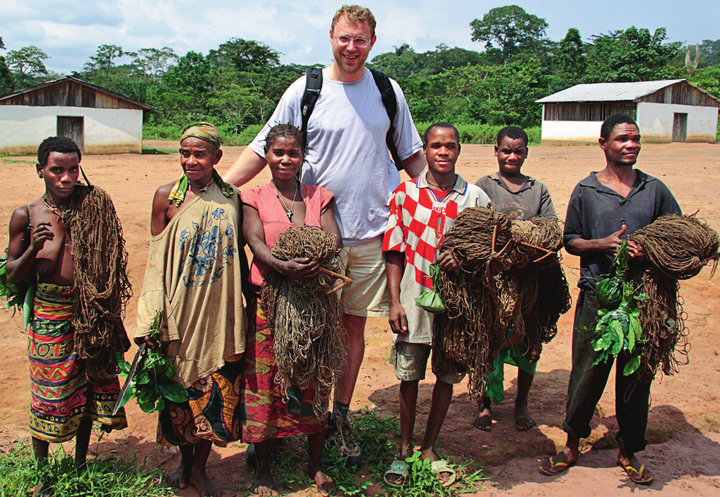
(608, 92)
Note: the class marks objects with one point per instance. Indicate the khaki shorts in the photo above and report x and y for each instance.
(410, 361)
(368, 294)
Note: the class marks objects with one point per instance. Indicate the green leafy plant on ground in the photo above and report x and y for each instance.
(376, 435)
(106, 476)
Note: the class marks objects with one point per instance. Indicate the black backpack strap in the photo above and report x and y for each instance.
(389, 100)
(313, 84)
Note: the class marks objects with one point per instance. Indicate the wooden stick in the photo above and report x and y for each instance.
(492, 247)
(346, 281)
(503, 249)
(534, 246)
(544, 256)
(694, 213)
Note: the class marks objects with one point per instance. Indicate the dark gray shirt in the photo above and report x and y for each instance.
(533, 199)
(596, 211)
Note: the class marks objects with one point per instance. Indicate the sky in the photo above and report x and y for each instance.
(70, 31)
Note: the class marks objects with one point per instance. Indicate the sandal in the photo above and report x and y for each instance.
(556, 465)
(638, 477)
(401, 470)
(441, 466)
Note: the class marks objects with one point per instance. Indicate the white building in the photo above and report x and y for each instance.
(666, 111)
(98, 120)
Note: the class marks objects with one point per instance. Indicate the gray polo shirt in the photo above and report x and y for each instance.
(533, 199)
(596, 211)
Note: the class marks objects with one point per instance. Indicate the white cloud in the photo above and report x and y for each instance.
(70, 31)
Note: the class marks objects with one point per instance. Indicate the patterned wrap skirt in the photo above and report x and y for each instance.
(61, 395)
(266, 415)
(212, 412)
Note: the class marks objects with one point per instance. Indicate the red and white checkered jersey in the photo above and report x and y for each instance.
(419, 220)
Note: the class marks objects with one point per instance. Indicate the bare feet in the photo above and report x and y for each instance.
(180, 477)
(324, 484)
(483, 420)
(523, 421)
(264, 484)
(201, 483)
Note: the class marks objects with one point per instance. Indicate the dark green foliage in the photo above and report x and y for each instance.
(511, 30)
(27, 66)
(618, 328)
(152, 383)
(631, 55)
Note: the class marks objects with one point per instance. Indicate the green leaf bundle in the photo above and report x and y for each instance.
(152, 384)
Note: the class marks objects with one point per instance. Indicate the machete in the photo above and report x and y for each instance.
(128, 380)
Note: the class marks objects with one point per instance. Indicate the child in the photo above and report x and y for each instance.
(194, 274)
(521, 197)
(67, 394)
(270, 210)
(421, 212)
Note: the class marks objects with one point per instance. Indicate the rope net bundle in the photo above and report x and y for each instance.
(102, 288)
(511, 290)
(304, 319)
(676, 248)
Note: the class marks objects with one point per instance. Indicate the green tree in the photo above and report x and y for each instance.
(708, 78)
(7, 82)
(27, 65)
(191, 75)
(709, 53)
(154, 62)
(245, 55)
(404, 62)
(631, 55)
(510, 28)
(569, 62)
(102, 61)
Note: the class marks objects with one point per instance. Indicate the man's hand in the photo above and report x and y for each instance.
(637, 252)
(398, 319)
(447, 262)
(610, 244)
(301, 268)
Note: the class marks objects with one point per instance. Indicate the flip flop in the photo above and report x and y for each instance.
(441, 466)
(638, 477)
(556, 466)
(399, 468)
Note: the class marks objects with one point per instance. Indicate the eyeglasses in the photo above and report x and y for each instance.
(345, 40)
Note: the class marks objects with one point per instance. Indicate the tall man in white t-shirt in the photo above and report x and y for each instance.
(347, 155)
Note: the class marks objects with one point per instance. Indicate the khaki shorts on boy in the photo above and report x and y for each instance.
(410, 361)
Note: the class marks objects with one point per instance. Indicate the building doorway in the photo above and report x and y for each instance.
(679, 127)
(72, 127)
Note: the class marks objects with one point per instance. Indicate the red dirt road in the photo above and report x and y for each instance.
(685, 414)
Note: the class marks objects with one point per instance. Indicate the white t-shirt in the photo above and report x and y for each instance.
(346, 150)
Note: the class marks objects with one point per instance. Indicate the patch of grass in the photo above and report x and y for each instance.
(375, 434)
(12, 161)
(106, 476)
(660, 433)
(16, 155)
(158, 151)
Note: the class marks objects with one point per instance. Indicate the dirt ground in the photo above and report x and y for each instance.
(684, 426)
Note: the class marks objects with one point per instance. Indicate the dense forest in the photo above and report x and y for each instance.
(238, 84)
